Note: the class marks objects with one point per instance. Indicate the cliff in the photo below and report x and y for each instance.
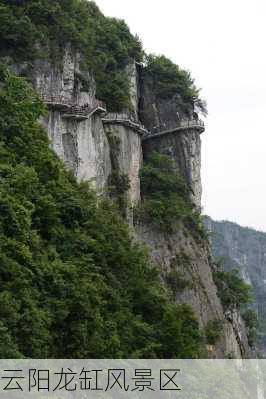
(109, 148)
(97, 144)
(243, 248)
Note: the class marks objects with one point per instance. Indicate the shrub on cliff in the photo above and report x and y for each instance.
(233, 291)
(72, 283)
(213, 331)
(236, 294)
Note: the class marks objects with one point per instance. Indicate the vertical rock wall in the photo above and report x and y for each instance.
(81, 144)
(184, 147)
(87, 146)
(126, 153)
(125, 142)
(191, 259)
(134, 87)
(160, 113)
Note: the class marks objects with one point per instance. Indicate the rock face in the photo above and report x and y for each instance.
(133, 72)
(98, 145)
(88, 146)
(162, 117)
(126, 155)
(193, 261)
(81, 143)
(159, 114)
(184, 148)
(245, 249)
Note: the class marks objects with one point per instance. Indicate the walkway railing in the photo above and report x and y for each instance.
(86, 109)
(126, 117)
(74, 109)
(180, 125)
(56, 100)
(192, 123)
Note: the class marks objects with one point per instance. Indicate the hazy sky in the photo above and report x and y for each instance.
(223, 44)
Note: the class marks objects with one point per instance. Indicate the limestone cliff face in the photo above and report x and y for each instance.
(184, 147)
(81, 143)
(94, 144)
(162, 117)
(124, 133)
(193, 261)
(161, 114)
(126, 155)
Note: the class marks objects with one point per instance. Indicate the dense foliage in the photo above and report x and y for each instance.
(169, 80)
(166, 196)
(30, 29)
(72, 284)
(236, 294)
(252, 324)
(176, 281)
(213, 331)
(232, 289)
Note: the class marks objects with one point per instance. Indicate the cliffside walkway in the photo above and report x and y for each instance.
(195, 124)
(128, 120)
(57, 102)
(74, 111)
(83, 112)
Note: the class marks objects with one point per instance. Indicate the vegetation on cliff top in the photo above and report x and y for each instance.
(39, 29)
(169, 80)
(72, 282)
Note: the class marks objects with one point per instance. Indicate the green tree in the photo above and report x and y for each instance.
(213, 331)
(232, 289)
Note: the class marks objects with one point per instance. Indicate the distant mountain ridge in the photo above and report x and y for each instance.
(243, 248)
